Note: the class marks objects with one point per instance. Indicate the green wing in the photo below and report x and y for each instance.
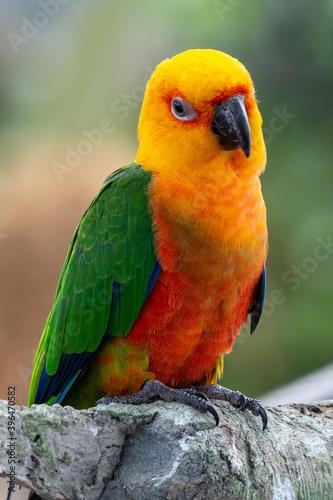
(109, 270)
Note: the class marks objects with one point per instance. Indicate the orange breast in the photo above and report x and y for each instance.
(212, 245)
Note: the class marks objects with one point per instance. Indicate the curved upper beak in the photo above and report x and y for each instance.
(230, 123)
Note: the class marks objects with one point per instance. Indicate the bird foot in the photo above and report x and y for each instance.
(154, 389)
(196, 397)
(237, 399)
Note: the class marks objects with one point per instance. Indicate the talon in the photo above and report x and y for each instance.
(213, 411)
(263, 414)
(200, 395)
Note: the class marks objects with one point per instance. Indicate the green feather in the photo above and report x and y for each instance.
(82, 275)
(114, 242)
(55, 348)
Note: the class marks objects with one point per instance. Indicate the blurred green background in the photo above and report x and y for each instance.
(67, 66)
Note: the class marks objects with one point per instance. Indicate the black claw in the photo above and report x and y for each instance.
(200, 395)
(212, 410)
(264, 417)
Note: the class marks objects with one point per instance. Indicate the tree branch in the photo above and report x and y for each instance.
(167, 450)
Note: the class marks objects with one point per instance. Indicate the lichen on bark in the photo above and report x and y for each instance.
(167, 450)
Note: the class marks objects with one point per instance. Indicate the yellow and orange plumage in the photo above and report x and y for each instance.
(210, 238)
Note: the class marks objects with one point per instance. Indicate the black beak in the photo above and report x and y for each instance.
(231, 125)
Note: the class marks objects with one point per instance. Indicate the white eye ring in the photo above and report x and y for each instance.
(182, 110)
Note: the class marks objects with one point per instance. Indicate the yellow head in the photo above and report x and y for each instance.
(200, 112)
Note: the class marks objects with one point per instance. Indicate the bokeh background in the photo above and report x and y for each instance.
(72, 78)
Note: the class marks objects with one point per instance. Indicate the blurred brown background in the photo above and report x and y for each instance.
(72, 77)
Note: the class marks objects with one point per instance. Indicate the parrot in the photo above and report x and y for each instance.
(169, 259)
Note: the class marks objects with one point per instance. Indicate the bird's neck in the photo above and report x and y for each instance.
(211, 221)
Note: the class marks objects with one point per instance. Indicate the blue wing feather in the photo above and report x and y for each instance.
(153, 278)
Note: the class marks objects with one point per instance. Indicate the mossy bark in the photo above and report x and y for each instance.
(170, 451)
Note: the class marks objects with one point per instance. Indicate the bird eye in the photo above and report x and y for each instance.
(182, 109)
